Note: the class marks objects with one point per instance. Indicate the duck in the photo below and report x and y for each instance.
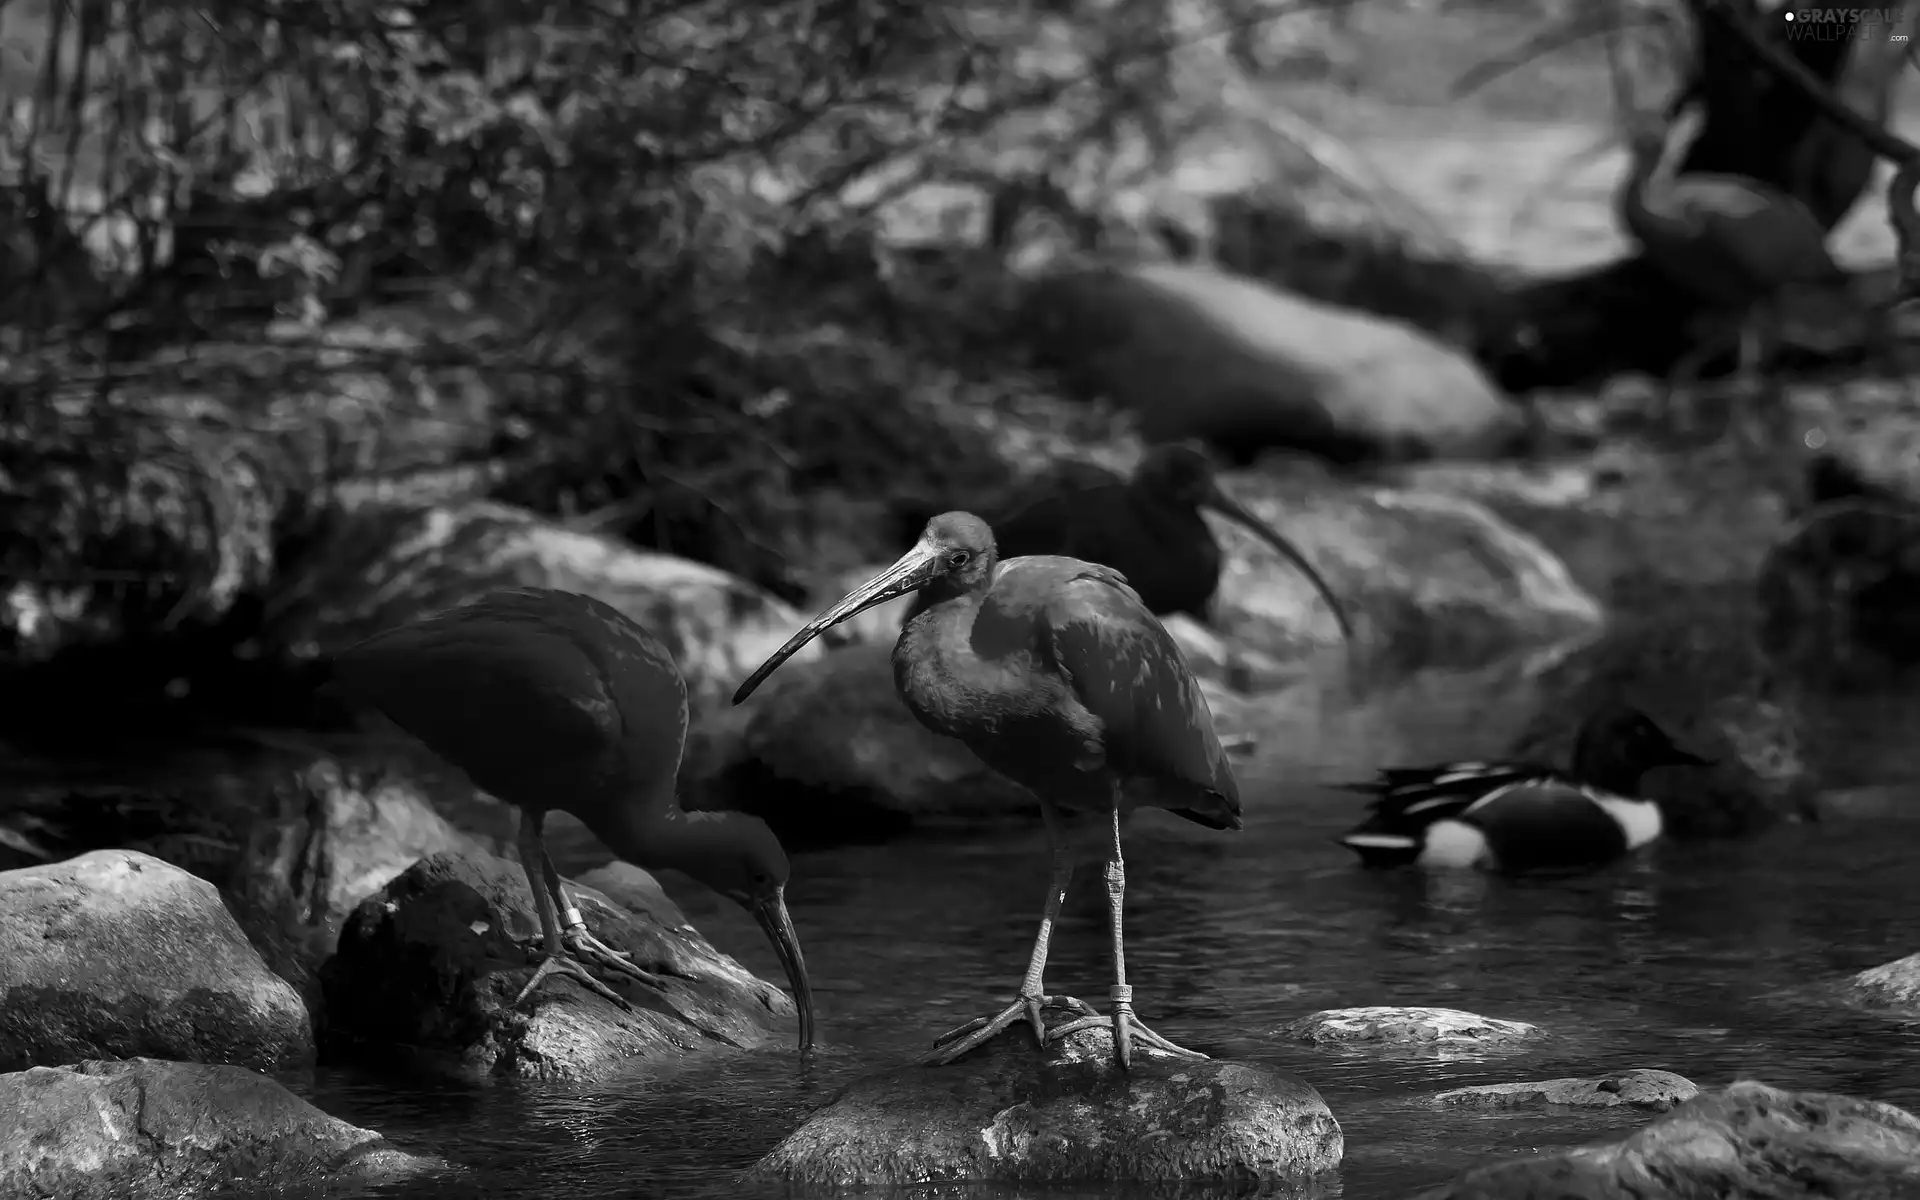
(1519, 816)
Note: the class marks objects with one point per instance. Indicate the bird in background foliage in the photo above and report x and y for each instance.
(1149, 529)
(1057, 675)
(551, 700)
(1518, 816)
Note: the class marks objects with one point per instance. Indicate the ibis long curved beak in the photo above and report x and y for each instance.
(914, 570)
(771, 912)
(1229, 508)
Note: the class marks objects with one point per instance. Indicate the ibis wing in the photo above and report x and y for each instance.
(1129, 673)
(503, 693)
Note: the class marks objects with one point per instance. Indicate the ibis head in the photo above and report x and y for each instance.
(954, 556)
(1179, 474)
(743, 861)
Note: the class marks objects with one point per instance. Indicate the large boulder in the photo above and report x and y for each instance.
(433, 962)
(1199, 352)
(1011, 1113)
(1747, 1140)
(143, 1129)
(115, 954)
(1429, 579)
(1693, 665)
(827, 753)
(377, 565)
(337, 833)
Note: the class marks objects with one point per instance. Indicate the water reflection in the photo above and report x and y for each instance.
(1702, 959)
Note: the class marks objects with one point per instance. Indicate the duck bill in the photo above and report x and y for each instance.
(911, 573)
(1227, 507)
(1686, 758)
(771, 912)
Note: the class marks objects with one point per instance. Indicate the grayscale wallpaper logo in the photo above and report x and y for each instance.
(1810, 24)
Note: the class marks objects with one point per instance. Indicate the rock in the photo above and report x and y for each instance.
(340, 835)
(144, 1128)
(1011, 1113)
(1654, 1091)
(1202, 353)
(830, 754)
(1889, 985)
(1746, 1140)
(434, 961)
(118, 954)
(1691, 664)
(381, 565)
(1422, 1029)
(1429, 580)
(1837, 597)
(637, 891)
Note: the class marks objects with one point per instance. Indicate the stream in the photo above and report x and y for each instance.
(1705, 959)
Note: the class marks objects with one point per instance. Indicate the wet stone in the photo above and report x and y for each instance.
(1745, 1140)
(116, 954)
(1649, 1090)
(1408, 1028)
(1889, 985)
(1013, 1113)
(432, 965)
(143, 1129)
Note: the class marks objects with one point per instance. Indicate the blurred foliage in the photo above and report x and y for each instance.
(665, 210)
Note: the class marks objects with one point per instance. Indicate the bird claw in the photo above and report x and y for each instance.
(981, 1030)
(560, 964)
(587, 948)
(1126, 1028)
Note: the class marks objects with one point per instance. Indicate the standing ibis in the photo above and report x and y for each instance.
(552, 700)
(1523, 816)
(1057, 675)
(1150, 530)
(1734, 244)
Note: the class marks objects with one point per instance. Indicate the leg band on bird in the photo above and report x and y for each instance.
(563, 949)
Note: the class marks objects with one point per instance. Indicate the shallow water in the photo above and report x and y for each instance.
(1708, 960)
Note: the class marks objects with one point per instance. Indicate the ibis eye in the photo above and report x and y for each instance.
(959, 558)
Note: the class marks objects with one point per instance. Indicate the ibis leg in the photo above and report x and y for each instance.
(581, 943)
(1126, 1026)
(556, 961)
(1032, 1000)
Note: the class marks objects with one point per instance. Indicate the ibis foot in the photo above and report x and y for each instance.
(561, 964)
(981, 1030)
(1127, 1029)
(586, 948)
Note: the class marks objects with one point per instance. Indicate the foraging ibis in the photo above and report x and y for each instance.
(1150, 530)
(1057, 675)
(1733, 243)
(551, 700)
(1517, 816)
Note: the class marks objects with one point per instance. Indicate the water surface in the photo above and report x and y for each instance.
(1708, 960)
